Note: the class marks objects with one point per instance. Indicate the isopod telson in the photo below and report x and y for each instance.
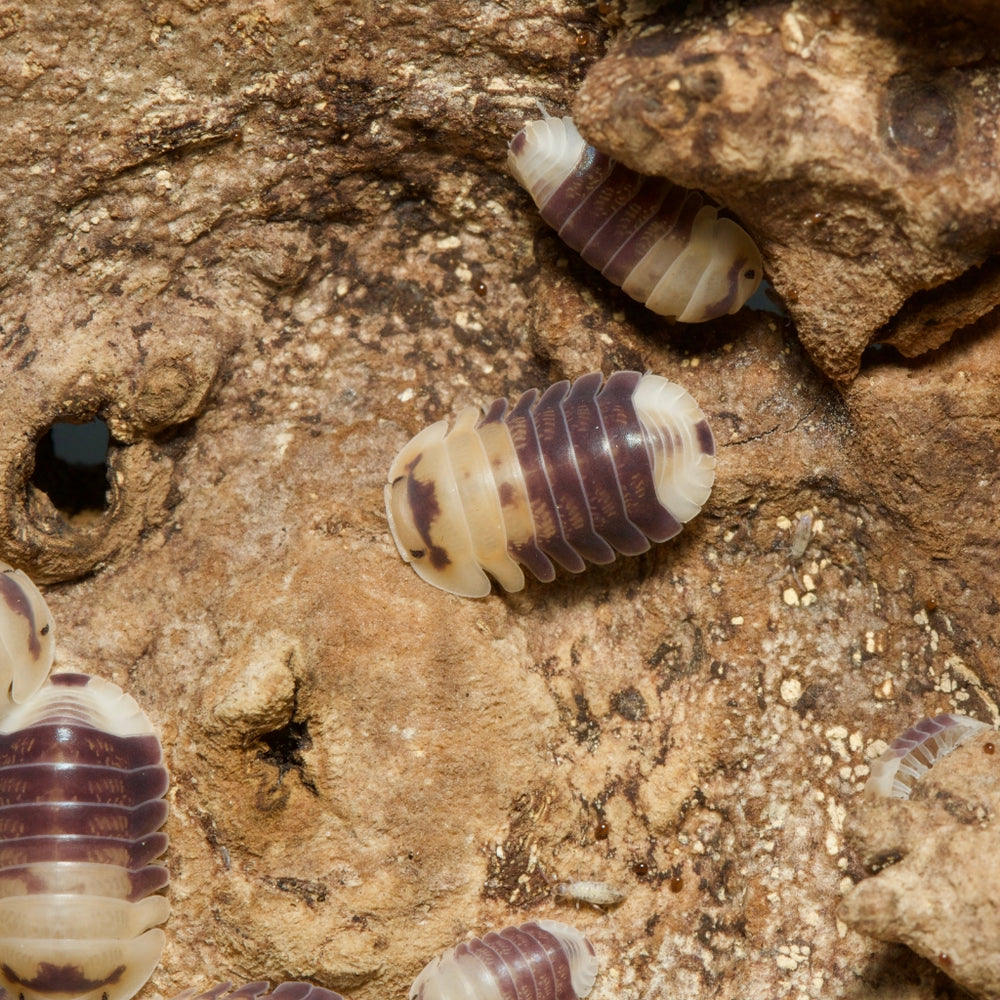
(913, 753)
(81, 803)
(542, 960)
(664, 245)
(576, 473)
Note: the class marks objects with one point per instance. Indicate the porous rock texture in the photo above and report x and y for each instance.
(267, 243)
(856, 141)
(926, 894)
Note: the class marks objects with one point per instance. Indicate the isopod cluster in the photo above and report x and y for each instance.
(664, 245)
(911, 755)
(568, 476)
(82, 782)
(541, 960)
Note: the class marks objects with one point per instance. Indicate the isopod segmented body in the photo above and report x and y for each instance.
(570, 475)
(542, 960)
(259, 991)
(81, 786)
(600, 895)
(911, 755)
(664, 245)
(27, 636)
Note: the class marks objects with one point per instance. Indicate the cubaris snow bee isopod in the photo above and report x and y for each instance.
(568, 476)
(912, 754)
(542, 960)
(665, 245)
(81, 805)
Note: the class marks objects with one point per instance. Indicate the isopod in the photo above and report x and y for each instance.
(572, 475)
(664, 245)
(600, 895)
(81, 803)
(27, 636)
(542, 960)
(259, 991)
(911, 755)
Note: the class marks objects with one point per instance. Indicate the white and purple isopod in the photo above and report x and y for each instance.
(911, 755)
(27, 637)
(569, 476)
(665, 245)
(541, 960)
(81, 805)
(259, 991)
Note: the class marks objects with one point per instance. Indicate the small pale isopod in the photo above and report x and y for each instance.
(542, 960)
(911, 755)
(576, 473)
(259, 991)
(664, 245)
(600, 895)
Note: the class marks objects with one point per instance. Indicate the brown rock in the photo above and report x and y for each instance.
(860, 155)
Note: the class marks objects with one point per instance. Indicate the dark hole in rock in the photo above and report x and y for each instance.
(71, 467)
(283, 750)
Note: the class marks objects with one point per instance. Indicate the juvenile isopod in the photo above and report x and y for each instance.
(911, 755)
(259, 991)
(600, 895)
(664, 245)
(570, 475)
(542, 960)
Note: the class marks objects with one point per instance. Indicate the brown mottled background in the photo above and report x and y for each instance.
(267, 243)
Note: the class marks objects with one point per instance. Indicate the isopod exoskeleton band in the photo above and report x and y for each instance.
(569, 476)
(664, 245)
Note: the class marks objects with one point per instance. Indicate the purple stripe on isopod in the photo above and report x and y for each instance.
(665, 246)
(914, 752)
(570, 476)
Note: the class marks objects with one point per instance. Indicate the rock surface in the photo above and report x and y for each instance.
(267, 244)
(857, 145)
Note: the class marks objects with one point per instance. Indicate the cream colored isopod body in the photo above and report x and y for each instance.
(664, 245)
(569, 476)
(81, 805)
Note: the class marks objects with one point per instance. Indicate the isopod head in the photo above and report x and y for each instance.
(664, 245)
(81, 804)
(567, 477)
(542, 960)
(27, 637)
(911, 755)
